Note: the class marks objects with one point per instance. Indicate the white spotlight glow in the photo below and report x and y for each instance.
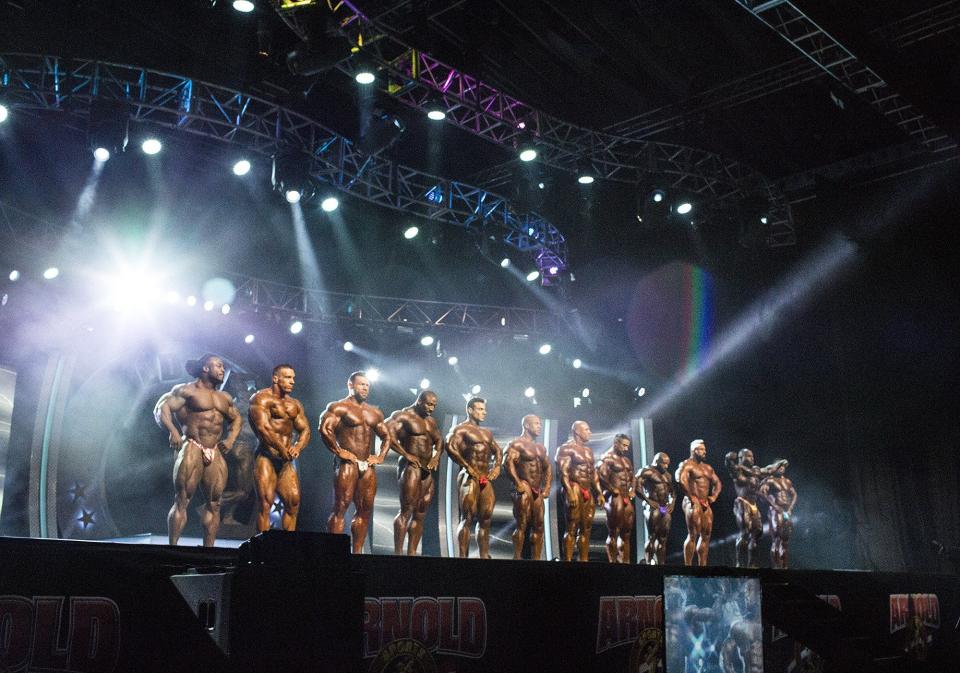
(533, 275)
(475, 390)
(530, 392)
(330, 204)
(373, 374)
(244, 6)
(348, 346)
(684, 208)
(545, 349)
(641, 391)
(191, 300)
(764, 220)
(293, 195)
(151, 146)
(436, 115)
(365, 77)
(424, 384)
(4, 113)
(296, 327)
(208, 305)
(577, 363)
(249, 339)
(505, 262)
(172, 296)
(452, 360)
(411, 232)
(225, 309)
(101, 154)
(14, 276)
(242, 167)
(51, 273)
(528, 154)
(585, 179)
(585, 392)
(554, 270)
(426, 340)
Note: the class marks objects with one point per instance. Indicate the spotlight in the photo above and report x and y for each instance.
(249, 339)
(208, 305)
(107, 128)
(426, 340)
(244, 6)
(452, 360)
(503, 321)
(684, 207)
(14, 276)
(530, 392)
(533, 275)
(554, 270)
(411, 232)
(172, 296)
(348, 346)
(373, 374)
(365, 76)
(585, 179)
(585, 392)
(505, 262)
(151, 146)
(585, 172)
(577, 363)
(640, 390)
(658, 195)
(330, 204)
(101, 154)
(545, 349)
(293, 196)
(291, 174)
(51, 273)
(366, 72)
(475, 390)
(4, 113)
(526, 151)
(191, 300)
(242, 167)
(225, 309)
(436, 110)
(296, 327)
(764, 220)
(424, 384)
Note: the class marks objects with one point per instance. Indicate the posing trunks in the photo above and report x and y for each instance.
(402, 465)
(274, 460)
(749, 506)
(205, 453)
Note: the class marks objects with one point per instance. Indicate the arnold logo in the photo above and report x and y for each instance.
(448, 625)
(913, 610)
(621, 619)
(41, 633)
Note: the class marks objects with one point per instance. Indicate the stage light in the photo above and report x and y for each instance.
(505, 262)
(530, 392)
(208, 305)
(191, 300)
(640, 391)
(4, 113)
(373, 374)
(426, 340)
(411, 232)
(172, 296)
(658, 195)
(242, 167)
(577, 363)
(14, 276)
(296, 327)
(527, 152)
(330, 204)
(348, 346)
(532, 276)
(684, 208)
(585, 392)
(107, 128)
(475, 390)
(554, 270)
(101, 154)
(380, 132)
(290, 174)
(585, 179)
(764, 220)
(51, 273)
(249, 339)
(225, 309)
(545, 349)
(293, 196)
(541, 185)
(503, 321)
(244, 6)
(365, 77)
(424, 384)
(585, 172)
(436, 109)
(452, 360)
(151, 146)
(366, 72)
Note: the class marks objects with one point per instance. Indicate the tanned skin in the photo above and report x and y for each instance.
(615, 472)
(655, 487)
(580, 492)
(746, 481)
(420, 445)
(194, 414)
(701, 487)
(529, 468)
(275, 416)
(779, 492)
(347, 427)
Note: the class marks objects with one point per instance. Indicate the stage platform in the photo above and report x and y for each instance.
(301, 602)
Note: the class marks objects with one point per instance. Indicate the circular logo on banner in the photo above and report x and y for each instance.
(647, 652)
(404, 655)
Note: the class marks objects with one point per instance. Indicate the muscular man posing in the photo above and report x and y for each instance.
(420, 444)
(615, 472)
(746, 481)
(527, 465)
(701, 487)
(347, 428)
(655, 487)
(474, 450)
(778, 490)
(194, 414)
(274, 416)
(581, 490)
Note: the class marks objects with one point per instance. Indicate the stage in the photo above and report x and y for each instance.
(299, 602)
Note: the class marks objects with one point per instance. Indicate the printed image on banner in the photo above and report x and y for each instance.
(713, 624)
(914, 618)
(634, 625)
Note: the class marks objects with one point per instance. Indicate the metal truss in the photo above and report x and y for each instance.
(25, 229)
(838, 62)
(265, 296)
(67, 86)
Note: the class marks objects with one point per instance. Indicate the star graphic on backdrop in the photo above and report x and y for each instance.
(78, 491)
(278, 506)
(85, 518)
